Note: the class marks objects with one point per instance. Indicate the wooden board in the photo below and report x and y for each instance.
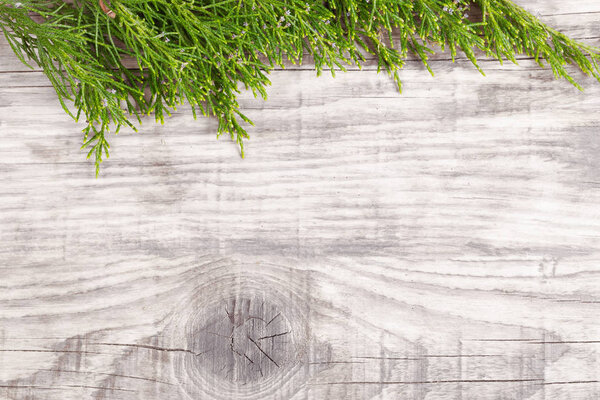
(439, 244)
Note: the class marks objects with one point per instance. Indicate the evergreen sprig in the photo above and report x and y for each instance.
(118, 61)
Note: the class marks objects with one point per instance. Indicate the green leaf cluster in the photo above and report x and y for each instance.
(150, 56)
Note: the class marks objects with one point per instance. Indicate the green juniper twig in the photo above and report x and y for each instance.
(136, 57)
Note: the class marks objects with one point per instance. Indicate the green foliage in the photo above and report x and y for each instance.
(155, 54)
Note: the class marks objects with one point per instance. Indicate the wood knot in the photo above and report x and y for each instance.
(245, 340)
(246, 329)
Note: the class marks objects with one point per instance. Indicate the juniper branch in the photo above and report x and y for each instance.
(202, 52)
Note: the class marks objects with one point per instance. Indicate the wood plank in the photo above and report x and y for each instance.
(439, 244)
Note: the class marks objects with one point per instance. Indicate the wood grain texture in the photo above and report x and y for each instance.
(439, 244)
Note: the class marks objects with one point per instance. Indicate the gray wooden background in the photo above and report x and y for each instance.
(439, 244)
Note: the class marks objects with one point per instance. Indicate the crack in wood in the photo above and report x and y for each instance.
(149, 347)
(262, 351)
(273, 336)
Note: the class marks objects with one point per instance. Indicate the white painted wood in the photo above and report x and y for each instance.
(439, 244)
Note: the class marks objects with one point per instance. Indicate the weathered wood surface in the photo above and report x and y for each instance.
(440, 244)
